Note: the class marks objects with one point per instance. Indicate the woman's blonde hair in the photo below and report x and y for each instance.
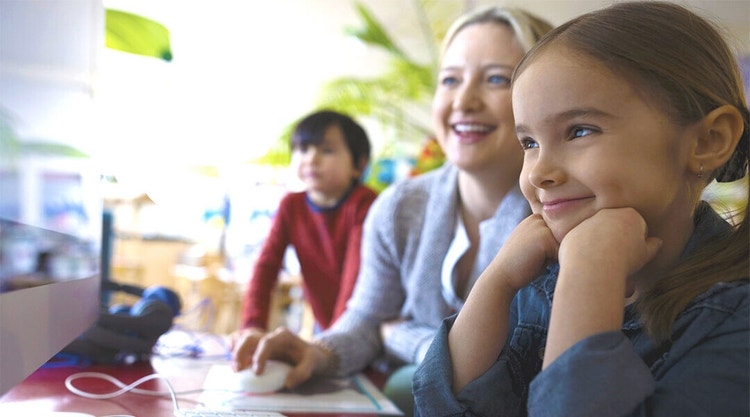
(527, 27)
(682, 62)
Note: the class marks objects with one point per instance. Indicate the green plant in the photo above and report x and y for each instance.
(399, 99)
(136, 34)
(12, 148)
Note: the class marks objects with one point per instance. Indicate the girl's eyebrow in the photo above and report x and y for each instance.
(584, 111)
(568, 115)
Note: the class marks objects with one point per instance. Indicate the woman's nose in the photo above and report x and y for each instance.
(468, 97)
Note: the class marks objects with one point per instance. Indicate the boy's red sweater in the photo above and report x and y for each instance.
(327, 243)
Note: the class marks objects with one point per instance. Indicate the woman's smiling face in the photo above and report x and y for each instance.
(591, 141)
(472, 114)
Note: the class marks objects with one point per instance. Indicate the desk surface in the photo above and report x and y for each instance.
(45, 391)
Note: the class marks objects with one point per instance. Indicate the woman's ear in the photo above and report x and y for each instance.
(721, 130)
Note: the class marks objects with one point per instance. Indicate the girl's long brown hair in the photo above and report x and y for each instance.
(681, 61)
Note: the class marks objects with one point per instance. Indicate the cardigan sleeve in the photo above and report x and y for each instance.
(362, 199)
(377, 297)
(257, 301)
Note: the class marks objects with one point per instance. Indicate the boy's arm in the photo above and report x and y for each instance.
(257, 301)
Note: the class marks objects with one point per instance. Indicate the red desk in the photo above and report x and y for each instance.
(45, 390)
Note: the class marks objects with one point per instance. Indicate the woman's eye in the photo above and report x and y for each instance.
(448, 80)
(528, 143)
(498, 79)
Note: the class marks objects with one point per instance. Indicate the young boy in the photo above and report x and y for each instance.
(324, 223)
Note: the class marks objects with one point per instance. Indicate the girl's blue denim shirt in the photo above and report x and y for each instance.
(704, 371)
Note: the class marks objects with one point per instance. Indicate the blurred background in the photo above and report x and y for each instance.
(190, 137)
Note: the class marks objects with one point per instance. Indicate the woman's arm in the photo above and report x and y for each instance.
(377, 295)
(360, 206)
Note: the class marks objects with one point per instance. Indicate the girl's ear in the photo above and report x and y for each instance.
(720, 133)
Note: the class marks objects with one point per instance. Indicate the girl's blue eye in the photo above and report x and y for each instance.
(579, 131)
(527, 143)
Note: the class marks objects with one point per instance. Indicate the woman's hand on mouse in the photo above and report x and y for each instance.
(243, 343)
(284, 345)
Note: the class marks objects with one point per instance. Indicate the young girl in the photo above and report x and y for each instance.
(623, 294)
(324, 223)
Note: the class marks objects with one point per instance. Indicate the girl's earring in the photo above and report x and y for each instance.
(700, 173)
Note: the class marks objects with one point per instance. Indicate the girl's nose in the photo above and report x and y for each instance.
(545, 171)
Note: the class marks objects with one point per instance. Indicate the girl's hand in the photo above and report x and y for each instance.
(479, 332)
(614, 240)
(525, 254)
(596, 259)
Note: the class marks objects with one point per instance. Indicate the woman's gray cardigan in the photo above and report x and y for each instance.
(406, 236)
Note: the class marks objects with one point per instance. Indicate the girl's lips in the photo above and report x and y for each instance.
(560, 206)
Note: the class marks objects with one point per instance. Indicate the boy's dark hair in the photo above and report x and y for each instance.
(311, 129)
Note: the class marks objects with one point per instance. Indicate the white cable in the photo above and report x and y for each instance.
(123, 387)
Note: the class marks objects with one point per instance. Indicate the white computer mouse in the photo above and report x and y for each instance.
(271, 380)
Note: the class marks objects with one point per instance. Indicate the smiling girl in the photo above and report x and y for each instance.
(623, 294)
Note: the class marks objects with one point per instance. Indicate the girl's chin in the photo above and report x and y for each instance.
(561, 228)
(559, 233)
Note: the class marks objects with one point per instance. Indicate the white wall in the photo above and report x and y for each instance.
(48, 54)
(243, 70)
